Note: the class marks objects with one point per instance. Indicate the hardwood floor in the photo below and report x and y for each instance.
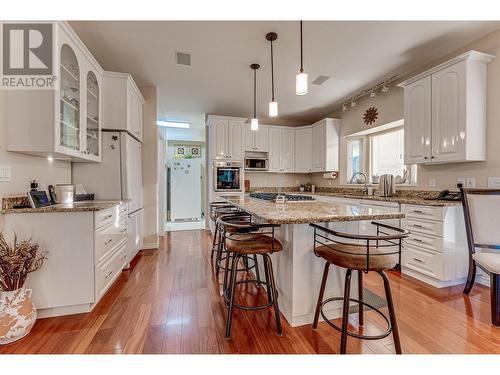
(171, 303)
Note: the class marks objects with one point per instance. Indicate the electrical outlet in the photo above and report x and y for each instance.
(494, 182)
(432, 182)
(5, 174)
(461, 180)
(471, 182)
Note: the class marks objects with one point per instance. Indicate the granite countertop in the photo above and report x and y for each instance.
(309, 212)
(84, 206)
(395, 199)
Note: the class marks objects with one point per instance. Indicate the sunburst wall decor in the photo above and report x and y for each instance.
(370, 115)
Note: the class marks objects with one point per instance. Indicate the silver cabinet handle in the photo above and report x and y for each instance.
(108, 241)
(418, 226)
(109, 274)
(418, 240)
(418, 260)
(107, 217)
(123, 230)
(418, 211)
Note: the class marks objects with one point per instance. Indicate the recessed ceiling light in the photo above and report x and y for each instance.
(183, 59)
(320, 80)
(173, 124)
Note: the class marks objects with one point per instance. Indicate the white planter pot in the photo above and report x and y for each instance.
(17, 315)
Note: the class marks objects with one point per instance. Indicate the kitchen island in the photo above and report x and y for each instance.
(297, 270)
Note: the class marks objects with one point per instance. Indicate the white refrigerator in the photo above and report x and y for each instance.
(185, 189)
(118, 177)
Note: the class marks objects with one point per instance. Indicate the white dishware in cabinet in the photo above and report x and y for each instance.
(63, 123)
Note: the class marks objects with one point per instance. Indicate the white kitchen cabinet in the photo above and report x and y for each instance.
(281, 149)
(64, 123)
(122, 103)
(325, 145)
(445, 112)
(417, 126)
(256, 140)
(226, 135)
(303, 150)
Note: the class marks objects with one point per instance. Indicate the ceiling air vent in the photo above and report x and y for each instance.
(183, 59)
(320, 80)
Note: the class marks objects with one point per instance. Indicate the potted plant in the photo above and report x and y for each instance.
(17, 311)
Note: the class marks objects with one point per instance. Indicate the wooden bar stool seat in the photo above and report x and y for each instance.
(363, 253)
(252, 244)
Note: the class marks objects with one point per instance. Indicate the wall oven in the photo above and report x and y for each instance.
(228, 176)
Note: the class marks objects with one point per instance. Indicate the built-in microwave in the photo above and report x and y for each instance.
(228, 176)
(256, 164)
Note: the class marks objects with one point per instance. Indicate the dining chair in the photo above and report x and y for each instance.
(482, 225)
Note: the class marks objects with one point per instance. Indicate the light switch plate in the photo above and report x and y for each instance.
(5, 174)
(471, 182)
(494, 182)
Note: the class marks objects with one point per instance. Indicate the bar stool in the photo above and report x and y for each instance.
(241, 244)
(371, 253)
(214, 211)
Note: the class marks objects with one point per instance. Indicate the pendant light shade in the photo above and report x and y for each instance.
(273, 104)
(254, 124)
(301, 79)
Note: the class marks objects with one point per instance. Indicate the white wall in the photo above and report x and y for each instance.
(266, 179)
(26, 168)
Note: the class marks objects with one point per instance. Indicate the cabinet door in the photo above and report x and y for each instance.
(417, 127)
(138, 117)
(219, 133)
(274, 150)
(287, 150)
(262, 139)
(448, 114)
(319, 148)
(236, 139)
(303, 150)
(93, 116)
(248, 138)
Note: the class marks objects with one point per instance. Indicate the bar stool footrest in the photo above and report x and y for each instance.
(241, 307)
(222, 267)
(354, 334)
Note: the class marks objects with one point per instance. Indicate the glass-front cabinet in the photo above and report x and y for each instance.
(78, 132)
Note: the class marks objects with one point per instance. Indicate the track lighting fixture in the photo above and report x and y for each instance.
(353, 103)
(372, 94)
(385, 87)
(344, 107)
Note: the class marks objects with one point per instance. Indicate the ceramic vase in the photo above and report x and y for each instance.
(17, 315)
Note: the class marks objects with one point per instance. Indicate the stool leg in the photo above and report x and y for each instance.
(392, 312)
(267, 260)
(360, 298)
(345, 312)
(495, 299)
(234, 271)
(268, 282)
(214, 241)
(320, 296)
(257, 272)
(226, 273)
(219, 253)
(245, 261)
(471, 276)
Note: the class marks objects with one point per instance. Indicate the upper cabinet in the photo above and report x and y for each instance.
(445, 112)
(63, 123)
(281, 149)
(123, 103)
(256, 140)
(303, 150)
(325, 145)
(226, 136)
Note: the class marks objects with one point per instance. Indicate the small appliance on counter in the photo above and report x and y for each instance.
(64, 193)
(386, 186)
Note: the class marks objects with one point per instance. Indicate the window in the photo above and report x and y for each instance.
(386, 153)
(379, 151)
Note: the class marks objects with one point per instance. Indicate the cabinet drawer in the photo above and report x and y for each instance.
(434, 228)
(102, 218)
(107, 272)
(106, 239)
(424, 212)
(418, 240)
(427, 262)
(123, 211)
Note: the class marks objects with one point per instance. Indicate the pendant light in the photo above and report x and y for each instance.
(254, 124)
(273, 104)
(301, 78)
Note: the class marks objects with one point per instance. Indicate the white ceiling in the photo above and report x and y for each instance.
(355, 54)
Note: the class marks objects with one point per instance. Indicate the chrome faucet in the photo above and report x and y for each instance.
(354, 181)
